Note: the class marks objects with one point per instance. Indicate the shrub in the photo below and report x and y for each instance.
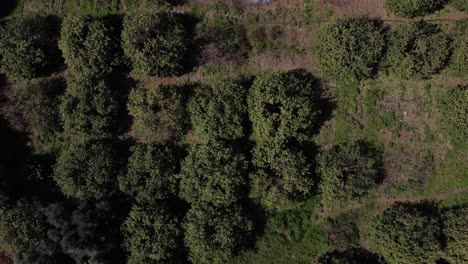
(88, 110)
(215, 235)
(36, 101)
(350, 48)
(346, 173)
(28, 46)
(282, 177)
(461, 5)
(417, 50)
(214, 174)
(413, 8)
(87, 171)
(219, 111)
(155, 43)
(150, 173)
(282, 106)
(407, 233)
(351, 256)
(21, 226)
(459, 60)
(456, 233)
(453, 105)
(89, 46)
(158, 114)
(151, 235)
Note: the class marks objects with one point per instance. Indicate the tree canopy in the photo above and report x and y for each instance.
(213, 173)
(155, 43)
(219, 111)
(350, 48)
(28, 46)
(413, 8)
(456, 234)
(417, 50)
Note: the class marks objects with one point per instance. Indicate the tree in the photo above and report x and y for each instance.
(155, 43)
(152, 235)
(213, 173)
(151, 173)
(350, 48)
(417, 50)
(215, 235)
(88, 110)
(282, 177)
(89, 46)
(407, 233)
(28, 46)
(158, 113)
(35, 102)
(346, 173)
(87, 171)
(22, 225)
(413, 8)
(454, 122)
(456, 233)
(351, 256)
(459, 60)
(281, 106)
(219, 111)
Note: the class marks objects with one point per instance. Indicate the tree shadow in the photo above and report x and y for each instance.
(7, 7)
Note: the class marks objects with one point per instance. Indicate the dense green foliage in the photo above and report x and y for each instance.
(417, 50)
(88, 110)
(89, 46)
(350, 48)
(150, 173)
(413, 8)
(21, 226)
(155, 43)
(461, 5)
(151, 235)
(456, 233)
(35, 102)
(28, 46)
(350, 256)
(214, 174)
(219, 111)
(87, 171)
(454, 106)
(215, 235)
(459, 60)
(407, 233)
(347, 173)
(158, 113)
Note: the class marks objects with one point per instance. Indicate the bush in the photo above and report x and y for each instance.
(158, 114)
(213, 174)
(282, 106)
(407, 233)
(88, 110)
(21, 226)
(351, 256)
(346, 173)
(453, 105)
(350, 48)
(87, 171)
(155, 43)
(28, 46)
(459, 60)
(283, 176)
(461, 5)
(417, 50)
(36, 101)
(150, 173)
(151, 235)
(413, 8)
(215, 235)
(89, 46)
(219, 111)
(456, 233)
